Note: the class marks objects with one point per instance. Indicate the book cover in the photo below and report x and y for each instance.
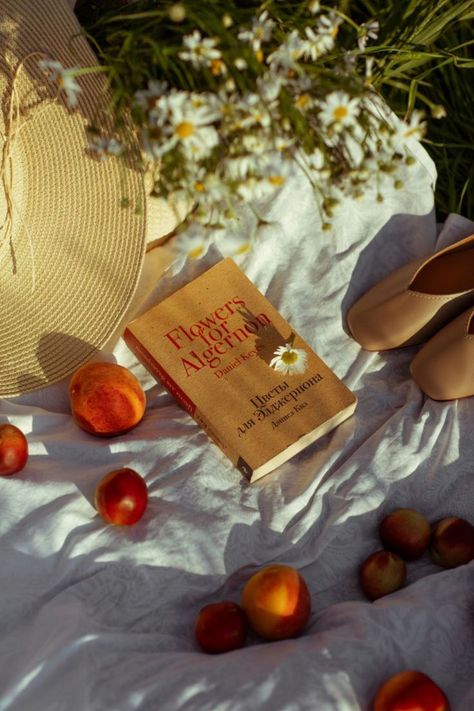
(211, 343)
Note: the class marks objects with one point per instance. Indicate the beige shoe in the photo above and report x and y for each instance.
(444, 367)
(416, 300)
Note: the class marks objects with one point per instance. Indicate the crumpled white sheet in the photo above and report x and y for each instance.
(100, 618)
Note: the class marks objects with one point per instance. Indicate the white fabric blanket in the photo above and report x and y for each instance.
(100, 618)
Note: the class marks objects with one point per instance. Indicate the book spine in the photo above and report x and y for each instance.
(146, 358)
(154, 367)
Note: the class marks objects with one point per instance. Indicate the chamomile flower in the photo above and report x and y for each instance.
(188, 124)
(339, 110)
(328, 29)
(200, 51)
(289, 360)
(286, 56)
(105, 147)
(415, 128)
(368, 30)
(193, 243)
(63, 78)
(261, 31)
(147, 98)
(315, 45)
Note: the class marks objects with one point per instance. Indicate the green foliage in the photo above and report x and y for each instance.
(424, 60)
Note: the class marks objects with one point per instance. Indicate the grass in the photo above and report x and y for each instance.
(428, 62)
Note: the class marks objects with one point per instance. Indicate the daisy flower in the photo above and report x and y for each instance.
(63, 78)
(200, 51)
(146, 98)
(289, 360)
(261, 31)
(104, 147)
(193, 243)
(328, 28)
(415, 128)
(287, 55)
(339, 110)
(368, 30)
(185, 120)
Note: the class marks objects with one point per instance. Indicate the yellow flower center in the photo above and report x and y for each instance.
(276, 180)
(199, 187)
(196, 252)
(289, 357)
(334, 31)
(217, 67)
(185, 129)
(259, 55)
(302, 101)
(340, 112)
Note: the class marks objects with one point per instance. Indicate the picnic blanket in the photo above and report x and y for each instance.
(100, 618)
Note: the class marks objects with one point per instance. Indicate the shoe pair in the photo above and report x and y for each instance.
(423, 298)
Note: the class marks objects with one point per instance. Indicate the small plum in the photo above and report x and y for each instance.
(221, 627)
(13, 450)
(277, 602)
(106, 399)
(121, 497)
(452, 542)
(410, 690)
(382, 573)
(406, 532)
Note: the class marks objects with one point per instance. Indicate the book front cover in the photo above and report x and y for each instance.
(211, 344)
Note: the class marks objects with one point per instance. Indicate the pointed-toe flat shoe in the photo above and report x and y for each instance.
(444, 366)
(415, 301)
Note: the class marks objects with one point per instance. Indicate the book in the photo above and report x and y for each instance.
(211, 344)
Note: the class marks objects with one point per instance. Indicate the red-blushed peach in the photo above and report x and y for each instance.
(121, 497)
(406, 532)
(452, 542)
(221, 627)
(410, 690)
(277, 602)
(13, 450)
(382, 573)
(106, 399)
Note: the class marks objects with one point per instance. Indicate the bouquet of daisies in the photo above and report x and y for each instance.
(227, 97)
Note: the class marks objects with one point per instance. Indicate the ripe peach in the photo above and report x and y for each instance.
(277, 602)
(121, 497)
(406, 532)
(106, 399)
(452, 542)
(410, 691)
(221, 627)
(382, 573)
(13, 450)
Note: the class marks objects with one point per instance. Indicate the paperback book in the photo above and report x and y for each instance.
(211, 344)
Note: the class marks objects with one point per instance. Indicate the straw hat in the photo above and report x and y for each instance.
(70, 252)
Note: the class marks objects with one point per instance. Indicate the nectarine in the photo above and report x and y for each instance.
(452, 542)
(106, 399)
(406, 532)
(276, 601)
(382, 573)
(121, 497)
(13, 450)
(410, 690)
(221, 627)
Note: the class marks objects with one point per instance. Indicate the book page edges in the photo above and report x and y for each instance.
(304, 442)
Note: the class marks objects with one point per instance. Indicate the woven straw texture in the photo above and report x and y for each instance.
(72, 262)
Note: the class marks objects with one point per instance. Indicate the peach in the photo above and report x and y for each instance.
(410, 690)
(406, 532)
(13, 450)
(106, 399)
(221, 627)
(382, 573)
(276, 601)
(452, 542)
(121, 497)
